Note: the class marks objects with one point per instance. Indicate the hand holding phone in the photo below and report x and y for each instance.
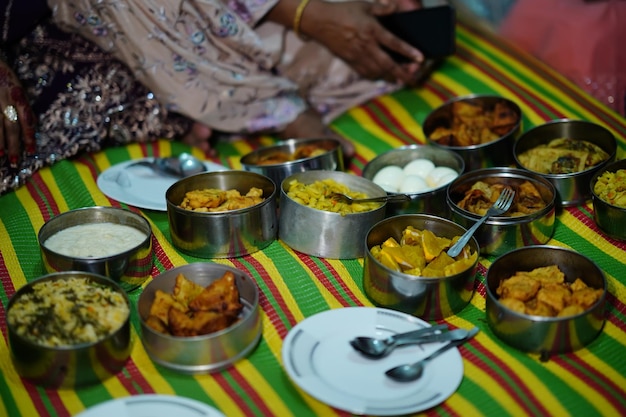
(429, 29)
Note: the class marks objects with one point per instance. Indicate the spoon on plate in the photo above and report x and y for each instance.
(179, 166)
(413, 371)
(344, 198)
(378, 348)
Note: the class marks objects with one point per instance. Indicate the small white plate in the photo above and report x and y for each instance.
(318, 357)
(139, 185)
(151, 405)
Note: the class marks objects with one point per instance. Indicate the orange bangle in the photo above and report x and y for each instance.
(297, 18)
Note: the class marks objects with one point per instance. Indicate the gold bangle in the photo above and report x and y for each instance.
(297, 18)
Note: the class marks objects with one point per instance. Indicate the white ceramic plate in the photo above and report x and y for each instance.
(140, 186)
(151, 405)
(318, 357)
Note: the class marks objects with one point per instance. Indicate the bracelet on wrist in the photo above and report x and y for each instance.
(297, 18)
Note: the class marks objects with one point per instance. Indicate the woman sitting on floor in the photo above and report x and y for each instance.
(239, 67)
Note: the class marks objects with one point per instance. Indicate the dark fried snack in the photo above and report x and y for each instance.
(279, 157)
(193, 310)
(545, 292)
(483, 195)
(473, 124)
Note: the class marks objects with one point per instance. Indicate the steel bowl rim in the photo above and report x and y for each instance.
(340, 174)
(74, 212)
(573, 175)
(411, 277)
(100, 279)
(266, 200)
(287, 142)
(508, 173)
(613, 165)
(249, 307)
(459, 159)
(449, 102)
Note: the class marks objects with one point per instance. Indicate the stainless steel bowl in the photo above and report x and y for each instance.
(611, 219)
(211, 352)
(499, 235)
(129, 268)
(323, 233)
(572, 189)
(428, 298)
(330, 160)
(545, 335)
(73, 366)
(491, 154)
(225, 234)
(429, 202)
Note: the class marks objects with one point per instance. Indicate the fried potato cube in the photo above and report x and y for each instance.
(442, 135)
(514, 304)
(206, 198)
(547, 274)
(570, 310)
(519, 286)
(537, 308)
(578, 285)
(556, 296)
(586, 297)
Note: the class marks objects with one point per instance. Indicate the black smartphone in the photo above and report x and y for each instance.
(429, 29)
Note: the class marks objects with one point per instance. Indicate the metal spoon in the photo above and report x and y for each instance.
(179, 166)
(413, 371)
(378, 348)
(389, 198)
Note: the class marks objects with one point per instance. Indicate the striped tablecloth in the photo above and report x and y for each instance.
(498, 380)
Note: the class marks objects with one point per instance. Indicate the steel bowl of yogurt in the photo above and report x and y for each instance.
(109, 241)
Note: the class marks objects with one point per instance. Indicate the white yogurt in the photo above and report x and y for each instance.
(94, 240)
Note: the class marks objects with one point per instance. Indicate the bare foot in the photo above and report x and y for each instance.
(309, 125)
(199, 136)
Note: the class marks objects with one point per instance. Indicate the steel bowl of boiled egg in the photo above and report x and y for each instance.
(420, 171)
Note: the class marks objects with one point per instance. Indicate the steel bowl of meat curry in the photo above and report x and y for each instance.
(222, 214)
(290, 156)
(546, 299)
(480, 128)
(529, 221)
(567, 153)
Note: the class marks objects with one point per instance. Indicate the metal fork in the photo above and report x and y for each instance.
(502, 204)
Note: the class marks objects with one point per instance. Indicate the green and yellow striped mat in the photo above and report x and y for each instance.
(498, 380)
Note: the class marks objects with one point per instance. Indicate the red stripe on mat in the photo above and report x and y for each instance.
(270, 310)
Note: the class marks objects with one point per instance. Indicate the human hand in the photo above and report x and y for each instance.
(352, 32)
(17, 122)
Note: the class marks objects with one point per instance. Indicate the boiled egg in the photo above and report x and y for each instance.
(413, 184)
(389, 178)
(440, 176)
(420, 167)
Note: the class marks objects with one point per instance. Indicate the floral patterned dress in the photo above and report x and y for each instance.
(218, 62)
